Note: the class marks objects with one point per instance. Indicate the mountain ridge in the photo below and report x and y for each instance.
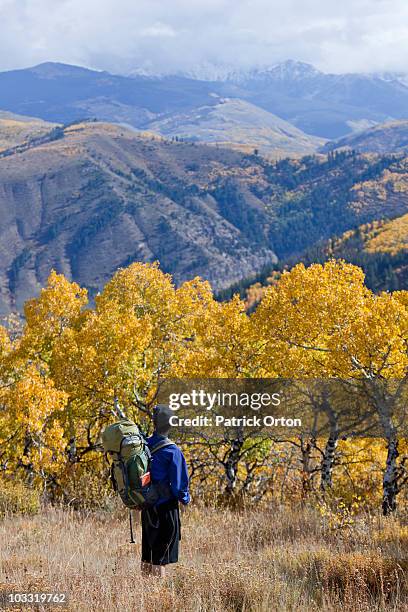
(100, 196)
(383, 138)
(234, 122)
(322, 105)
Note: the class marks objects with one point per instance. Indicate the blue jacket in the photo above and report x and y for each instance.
(169, 466)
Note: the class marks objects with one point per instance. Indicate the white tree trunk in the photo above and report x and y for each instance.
(329, 454)
(390, 478)
(231, 464)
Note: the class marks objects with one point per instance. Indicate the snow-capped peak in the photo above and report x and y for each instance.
(289, 69)
(208, 71)
(394, 77)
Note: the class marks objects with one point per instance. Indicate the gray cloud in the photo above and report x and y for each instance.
(171, 35)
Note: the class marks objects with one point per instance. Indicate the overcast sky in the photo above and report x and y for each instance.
(171, 35)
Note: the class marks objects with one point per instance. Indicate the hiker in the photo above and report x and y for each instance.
(161, 522)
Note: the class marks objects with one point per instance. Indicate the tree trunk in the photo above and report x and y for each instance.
(387, 399)
(72, 450)
(117, 408)
(326, 466)
(231, 465)
(305, 449)
(72, 444)
(329, 454)
(390, 478)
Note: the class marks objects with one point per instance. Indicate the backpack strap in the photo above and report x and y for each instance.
(161, 444)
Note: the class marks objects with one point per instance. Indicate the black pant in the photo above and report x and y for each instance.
(161, 533)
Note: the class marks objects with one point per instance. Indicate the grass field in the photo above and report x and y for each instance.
(281, 559)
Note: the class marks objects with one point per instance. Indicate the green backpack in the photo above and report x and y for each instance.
(125, 444)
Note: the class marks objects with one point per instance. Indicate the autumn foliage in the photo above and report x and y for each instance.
(74, 365)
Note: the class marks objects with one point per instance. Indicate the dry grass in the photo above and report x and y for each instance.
(280, 559)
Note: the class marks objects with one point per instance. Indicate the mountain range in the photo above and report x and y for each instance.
(328, 106)
(223, 179)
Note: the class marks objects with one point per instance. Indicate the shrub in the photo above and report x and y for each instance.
(86, 486)
(17, 498)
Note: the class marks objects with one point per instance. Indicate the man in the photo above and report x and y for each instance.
(161, 522)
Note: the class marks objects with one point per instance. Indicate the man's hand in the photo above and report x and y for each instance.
(184, 506)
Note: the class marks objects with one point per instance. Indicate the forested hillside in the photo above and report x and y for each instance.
(385, 138)
(90, 197)
(380, 248)
(96, 197)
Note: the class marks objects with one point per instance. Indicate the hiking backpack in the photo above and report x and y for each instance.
(127, 447)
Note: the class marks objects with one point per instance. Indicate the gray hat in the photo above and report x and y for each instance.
(161, 419)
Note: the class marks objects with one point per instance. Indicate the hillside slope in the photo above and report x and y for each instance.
(102, 197)
(389, 237)
(94, 197)
(384, 138)
(16, 130)
(237, 123)
(380, 248)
